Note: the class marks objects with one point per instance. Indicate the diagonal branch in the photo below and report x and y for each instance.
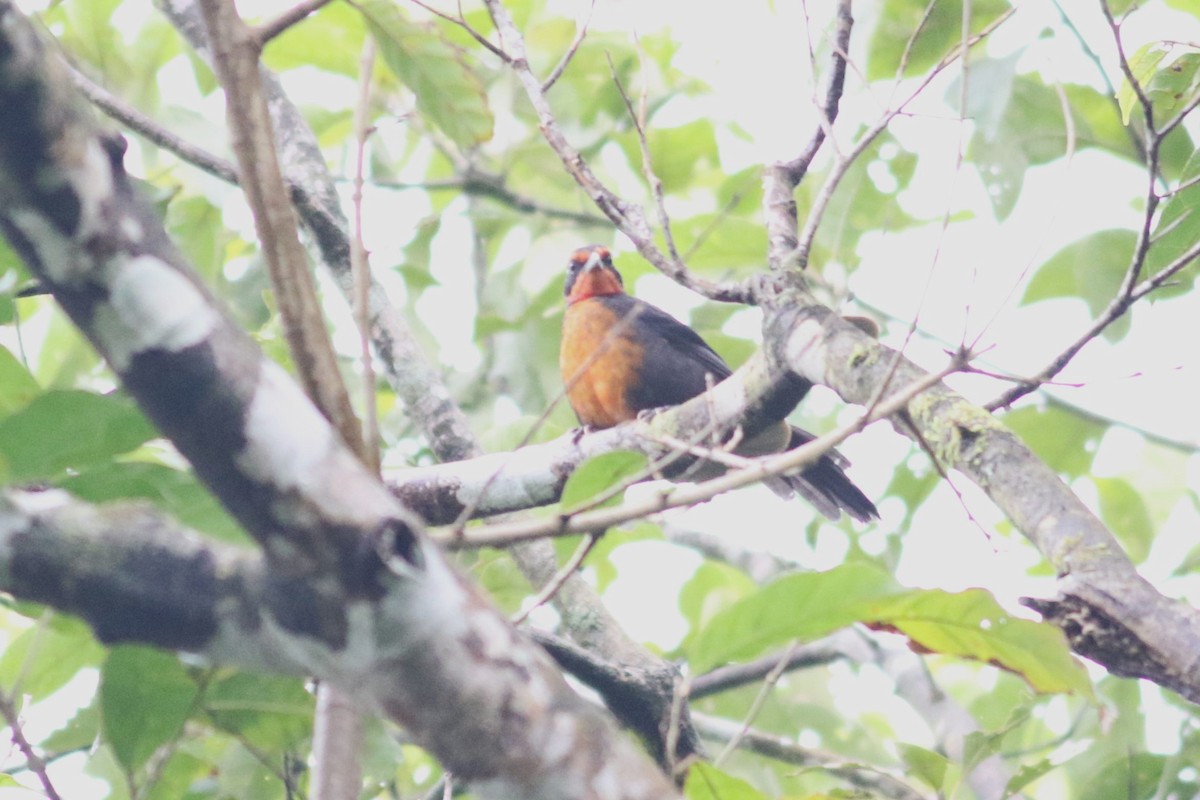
(782, 177)
(1093, 569)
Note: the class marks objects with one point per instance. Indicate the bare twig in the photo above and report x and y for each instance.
(638, 117)
(734, 676)
(799, 256)
(235, 57)
(559, 68)
(461, 22)
(359, 265)
(679, 496)
(268, 30)
(764, 691)
(556, 583)
(33, 760)
(789, 752)
(1114, 311)
(629, 218)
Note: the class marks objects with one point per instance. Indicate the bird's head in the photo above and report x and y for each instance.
(591, 273)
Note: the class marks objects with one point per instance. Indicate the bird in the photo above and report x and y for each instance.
(621, 357)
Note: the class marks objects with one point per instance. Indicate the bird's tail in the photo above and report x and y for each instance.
(825, 484)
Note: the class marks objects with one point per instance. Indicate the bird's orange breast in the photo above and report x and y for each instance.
(599, 361)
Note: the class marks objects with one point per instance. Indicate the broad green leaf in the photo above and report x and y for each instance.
(1177, 231)
(272, 711)
(706, 782)
(1142, 64)
(176, 492)
(865, 200)
(1027, 774)
(78, 733)
(1065, 441)
(713, 587)
(675, 153)
(972, 624)
(330, 40)
(901, 23)
(1173, 87)
(598, 475)
(145, 697)
(70, 429)
(174, 779)
(927, 765)
(1128, 775)
(17, 386)
(599, 560)
(448, 91)
(721, 244)
(804, 606)
(43, 658)
(1091, 269)
(1125, 514)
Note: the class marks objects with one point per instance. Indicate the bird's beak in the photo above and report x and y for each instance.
(595, 261)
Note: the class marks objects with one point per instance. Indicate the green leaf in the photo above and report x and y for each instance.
(599, 474)
(176, 492)
(79, 731)
(70, 429)
(901, 22)
(1065, 441)
(43, 658)
(972, 625)
(273, 712)
(706, 782)
(177, 776)
(1091, 269)
(1172, 88)
(721, 244)
(17, 385)
(1176, 231)
(1142, 64)
(331, 40)
(712, 587)
(145, 697)
(675, 153)
(927, 765)
(1027, 774)
(448, 92)
(1125, 514)
(804, 607)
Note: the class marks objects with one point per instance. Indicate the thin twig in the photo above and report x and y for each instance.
(764, 692)
(268, 30)
(461, 22)
(33, 761)
(559, 68)
(799, 257)
(1115, 310)
(734, 676)
(638, 118)
(553, 586)
(679, 496)
(629, 218)
(359, 265)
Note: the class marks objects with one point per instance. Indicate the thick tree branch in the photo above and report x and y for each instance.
(416, 382)
(1093, 570)
(371, 606)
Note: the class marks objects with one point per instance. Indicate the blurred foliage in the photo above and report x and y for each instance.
(477, 216)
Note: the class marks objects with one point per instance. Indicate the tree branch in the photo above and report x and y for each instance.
(1092, 567)
(371, 606)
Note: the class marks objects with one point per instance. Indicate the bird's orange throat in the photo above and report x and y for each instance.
(595, 283)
